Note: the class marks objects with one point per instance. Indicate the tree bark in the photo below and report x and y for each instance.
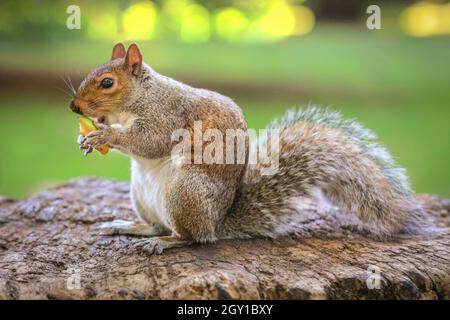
(48, 243)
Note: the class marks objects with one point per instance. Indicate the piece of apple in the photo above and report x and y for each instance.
(86, 126)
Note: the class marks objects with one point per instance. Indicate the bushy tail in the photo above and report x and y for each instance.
(320, 150)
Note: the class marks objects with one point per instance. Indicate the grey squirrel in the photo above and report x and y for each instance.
(137, 110)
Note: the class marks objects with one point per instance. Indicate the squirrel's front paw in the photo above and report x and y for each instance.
(97, 138)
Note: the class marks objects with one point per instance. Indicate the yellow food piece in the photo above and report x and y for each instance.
(86, 126)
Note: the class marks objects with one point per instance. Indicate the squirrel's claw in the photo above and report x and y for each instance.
(80, 139)
(87, 148)
(87, 151)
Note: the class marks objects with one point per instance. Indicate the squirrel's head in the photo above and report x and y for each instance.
(106, 89)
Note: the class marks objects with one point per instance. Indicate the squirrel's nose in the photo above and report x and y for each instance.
(74, 108)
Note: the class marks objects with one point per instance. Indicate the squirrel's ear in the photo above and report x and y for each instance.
(118, 51)
(134, 59)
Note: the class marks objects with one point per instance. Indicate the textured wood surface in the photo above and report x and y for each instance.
(48, 242)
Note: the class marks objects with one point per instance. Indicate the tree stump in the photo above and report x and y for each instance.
(50, 249)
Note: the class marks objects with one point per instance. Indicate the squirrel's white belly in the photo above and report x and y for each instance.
(149, 180)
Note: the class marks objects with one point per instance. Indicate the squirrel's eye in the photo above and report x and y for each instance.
(107, 83)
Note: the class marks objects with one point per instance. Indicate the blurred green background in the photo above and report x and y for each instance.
(268, 55)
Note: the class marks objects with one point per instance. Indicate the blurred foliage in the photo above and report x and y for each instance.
(184, 20)
(202, 20)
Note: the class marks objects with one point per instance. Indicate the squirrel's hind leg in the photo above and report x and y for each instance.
(197, 201)
(122, 227)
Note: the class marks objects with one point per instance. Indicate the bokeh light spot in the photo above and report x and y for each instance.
(195, 24)
(102, 26)
(139, 21)
(304, 20)
(426, 19)
(279, 21)
(230, 24)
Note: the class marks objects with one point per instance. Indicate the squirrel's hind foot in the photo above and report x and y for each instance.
(157, 245)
